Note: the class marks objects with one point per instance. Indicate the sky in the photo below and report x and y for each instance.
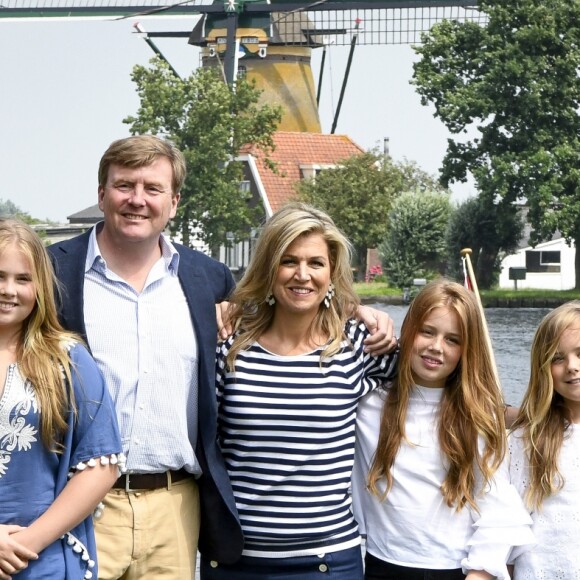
(66, 87)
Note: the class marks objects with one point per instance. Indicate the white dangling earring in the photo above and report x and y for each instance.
(329, 295)
(270, 299)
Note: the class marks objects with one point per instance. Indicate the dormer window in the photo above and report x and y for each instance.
(311, 170)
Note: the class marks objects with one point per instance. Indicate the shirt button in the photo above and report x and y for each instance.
(323, 568)
(213, 564)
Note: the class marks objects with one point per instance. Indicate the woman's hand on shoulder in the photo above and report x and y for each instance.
(14, 556)
(382, 338)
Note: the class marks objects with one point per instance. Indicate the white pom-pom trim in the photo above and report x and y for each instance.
(117, 459)
(99, 510)
(79, 548)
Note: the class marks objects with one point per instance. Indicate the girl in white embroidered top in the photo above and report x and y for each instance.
(289, 381)
(545, 448)
(428, 490)
(59, 441)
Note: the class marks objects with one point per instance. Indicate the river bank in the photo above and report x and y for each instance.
(487, 301)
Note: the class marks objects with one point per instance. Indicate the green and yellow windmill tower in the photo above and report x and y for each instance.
(272, 48)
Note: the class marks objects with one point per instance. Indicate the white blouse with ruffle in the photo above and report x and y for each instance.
(557, 524)
(414, 526)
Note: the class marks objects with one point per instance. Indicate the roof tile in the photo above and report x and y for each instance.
(293, 150)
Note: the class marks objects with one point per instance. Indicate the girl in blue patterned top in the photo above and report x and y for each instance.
(59, 441)
(289, 381)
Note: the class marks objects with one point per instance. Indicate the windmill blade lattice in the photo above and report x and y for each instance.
(293, 23)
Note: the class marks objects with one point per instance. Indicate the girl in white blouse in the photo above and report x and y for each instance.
(430, 490)
(545, 448)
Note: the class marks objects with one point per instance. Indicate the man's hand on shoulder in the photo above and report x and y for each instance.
(222, 314)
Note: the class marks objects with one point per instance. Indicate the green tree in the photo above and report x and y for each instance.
(415, 246)
(9, 209)
(359, 193)
(513, 82)
(210, 122)
(491, 232)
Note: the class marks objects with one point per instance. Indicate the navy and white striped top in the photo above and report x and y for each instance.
(286, 428)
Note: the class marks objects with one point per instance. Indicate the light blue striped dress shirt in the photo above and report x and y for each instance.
(145, 346)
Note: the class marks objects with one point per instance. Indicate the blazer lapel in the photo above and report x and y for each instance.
(70, 270)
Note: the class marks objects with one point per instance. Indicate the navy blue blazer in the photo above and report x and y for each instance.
(205, 282)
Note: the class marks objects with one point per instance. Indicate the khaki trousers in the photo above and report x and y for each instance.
(149, 535)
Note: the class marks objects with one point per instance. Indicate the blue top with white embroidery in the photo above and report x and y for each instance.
(31, 477)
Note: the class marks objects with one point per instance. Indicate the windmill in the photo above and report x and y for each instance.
(270, 40)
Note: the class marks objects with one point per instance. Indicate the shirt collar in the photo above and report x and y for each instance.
(95, 259)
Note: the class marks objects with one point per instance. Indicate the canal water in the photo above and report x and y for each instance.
(511, 331)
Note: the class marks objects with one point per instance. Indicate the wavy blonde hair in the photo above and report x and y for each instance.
(543, 416)
(471, 407)
(41, 355)
(252, 316)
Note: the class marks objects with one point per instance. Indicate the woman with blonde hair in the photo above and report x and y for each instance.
(59, 441)
(289, 380)
(545, 447)
(428, 489)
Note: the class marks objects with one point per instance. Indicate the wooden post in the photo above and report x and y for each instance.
(466, 255)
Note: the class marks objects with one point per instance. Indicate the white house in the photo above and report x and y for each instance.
(548, 266)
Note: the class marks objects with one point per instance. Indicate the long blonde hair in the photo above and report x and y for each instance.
(472, 403)
(543, 416)
(252, 315)
(41, 354)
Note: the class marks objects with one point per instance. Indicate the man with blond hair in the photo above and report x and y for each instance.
(146, 307)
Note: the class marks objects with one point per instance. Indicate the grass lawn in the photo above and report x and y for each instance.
(534, 294)
(376, 289)
(383, 289)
